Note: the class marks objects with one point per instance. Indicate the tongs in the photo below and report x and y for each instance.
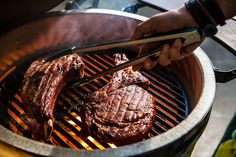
(187, 36)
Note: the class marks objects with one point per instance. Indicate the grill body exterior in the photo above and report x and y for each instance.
(59, 30)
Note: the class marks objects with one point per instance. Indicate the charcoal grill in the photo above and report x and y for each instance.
(183, 91)
(170, 98)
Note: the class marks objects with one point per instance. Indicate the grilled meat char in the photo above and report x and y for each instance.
(122, 111)
(42, 83)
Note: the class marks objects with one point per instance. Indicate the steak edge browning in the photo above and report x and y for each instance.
(122, 111)
(42, 83)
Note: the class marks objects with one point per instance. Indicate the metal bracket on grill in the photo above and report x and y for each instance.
(221, 75)
(133, 8)
(75, 4)
(224, 76)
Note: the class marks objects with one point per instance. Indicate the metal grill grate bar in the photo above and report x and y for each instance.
(167, 81)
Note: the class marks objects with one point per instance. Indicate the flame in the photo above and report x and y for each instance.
(95, 142)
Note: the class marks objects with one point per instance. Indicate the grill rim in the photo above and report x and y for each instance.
(198, 114)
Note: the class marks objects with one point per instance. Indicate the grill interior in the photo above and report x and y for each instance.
(170, 101)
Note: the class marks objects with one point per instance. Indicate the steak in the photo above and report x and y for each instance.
(122, 111)
(42, 82)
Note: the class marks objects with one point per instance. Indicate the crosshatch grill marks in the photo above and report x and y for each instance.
(136, 124)
(126, 98)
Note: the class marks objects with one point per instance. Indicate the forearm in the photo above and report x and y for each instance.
(187, 17)
(228, 7)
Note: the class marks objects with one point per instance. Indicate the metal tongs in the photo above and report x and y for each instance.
(188, 36)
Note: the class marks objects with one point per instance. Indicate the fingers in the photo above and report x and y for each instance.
(175, 50)
(150, 62)
(164, 58)
(169, 53)
(163, 22)
(189, 49)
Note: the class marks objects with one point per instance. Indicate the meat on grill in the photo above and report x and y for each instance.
(122, 111)
(42, 83)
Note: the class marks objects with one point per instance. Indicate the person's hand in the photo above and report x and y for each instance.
(165, 22)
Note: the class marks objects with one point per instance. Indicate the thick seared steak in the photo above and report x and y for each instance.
(42, 83)
(122, 111)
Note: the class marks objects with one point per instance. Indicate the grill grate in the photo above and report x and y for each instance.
(171, 104)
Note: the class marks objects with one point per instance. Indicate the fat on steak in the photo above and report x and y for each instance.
(122, 111)
(42, 83)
